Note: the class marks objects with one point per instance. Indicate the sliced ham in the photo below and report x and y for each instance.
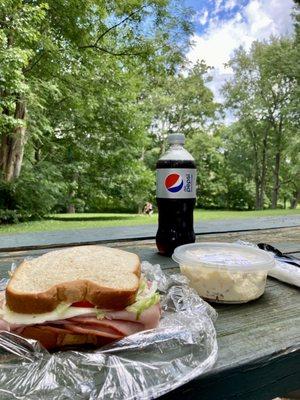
(124, 328)
(4, 326)
(88, 328)
(149, 318)
(89, 331)
(54, 329)
(104, 328)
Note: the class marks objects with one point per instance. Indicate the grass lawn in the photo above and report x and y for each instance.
(80, 221)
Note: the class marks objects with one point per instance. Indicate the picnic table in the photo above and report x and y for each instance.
(259, 342)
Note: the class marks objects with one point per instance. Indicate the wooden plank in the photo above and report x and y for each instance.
(262, 379)
(259, 328)
(286, 240)
(103, 235)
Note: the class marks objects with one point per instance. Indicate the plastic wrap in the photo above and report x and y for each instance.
(141, 366)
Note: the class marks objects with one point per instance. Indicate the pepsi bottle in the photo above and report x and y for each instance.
(175, 196)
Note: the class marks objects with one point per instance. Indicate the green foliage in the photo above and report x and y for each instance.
(124, 191)
(82, 71)
(222, 180)
(90, 90)
(182, 102)
(264, 95)
(33, 195)
(207, 151)
(38, 189)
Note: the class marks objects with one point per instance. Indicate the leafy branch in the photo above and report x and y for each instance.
(123, 53)
(118, 24)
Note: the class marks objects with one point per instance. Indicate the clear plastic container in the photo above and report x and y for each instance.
(224, 272)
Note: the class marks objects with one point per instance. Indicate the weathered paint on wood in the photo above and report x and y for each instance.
(262, 379)
(286, 240)
(99, 235)
(259, 342)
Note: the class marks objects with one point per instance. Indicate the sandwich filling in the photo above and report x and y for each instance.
(83, 318)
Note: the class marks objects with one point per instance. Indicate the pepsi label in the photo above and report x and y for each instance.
(176, 183)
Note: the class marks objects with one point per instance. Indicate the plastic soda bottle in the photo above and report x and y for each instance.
(175, 196)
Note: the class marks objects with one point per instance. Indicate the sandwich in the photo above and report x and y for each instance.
(87, 295)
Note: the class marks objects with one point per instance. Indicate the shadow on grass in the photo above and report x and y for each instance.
(102, 218)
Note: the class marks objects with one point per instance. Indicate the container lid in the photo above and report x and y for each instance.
(228, 256)
(176, 138)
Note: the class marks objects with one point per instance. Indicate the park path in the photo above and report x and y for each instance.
(75, 237)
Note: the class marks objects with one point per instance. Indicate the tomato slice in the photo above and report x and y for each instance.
(83, 303)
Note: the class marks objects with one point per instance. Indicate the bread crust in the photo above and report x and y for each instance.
(70, 292)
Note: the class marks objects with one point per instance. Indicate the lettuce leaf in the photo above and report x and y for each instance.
(100, 314)
(146, 298)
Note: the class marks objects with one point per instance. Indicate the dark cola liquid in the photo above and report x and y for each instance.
(175, 216)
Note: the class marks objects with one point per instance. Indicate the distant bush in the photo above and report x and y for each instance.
(32, 196)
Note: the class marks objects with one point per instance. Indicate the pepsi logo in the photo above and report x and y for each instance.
(174, 183)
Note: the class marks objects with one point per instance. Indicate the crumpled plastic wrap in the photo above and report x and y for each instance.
(144, 366)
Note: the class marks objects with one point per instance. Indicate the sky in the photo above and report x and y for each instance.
(223, 25)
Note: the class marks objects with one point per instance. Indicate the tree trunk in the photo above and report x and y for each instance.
(276, 180)
(71, 209)
(256, 179)
(257, 185)
(12, 145)
(71, 206)
(263, 172)
(142, 157)
(253, 138)
(278, 131)
(296, 199)
(37, 154)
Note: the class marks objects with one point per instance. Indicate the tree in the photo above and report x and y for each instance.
(239, 167)
(263, 95)
(224, 179)
(291, 173)
(182, 103)
(207, 149)
(43, 44)
(72, 83)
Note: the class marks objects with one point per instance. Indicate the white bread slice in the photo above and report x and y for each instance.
(106, 277)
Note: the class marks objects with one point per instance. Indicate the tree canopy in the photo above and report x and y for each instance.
(263, 95)
(90, 90)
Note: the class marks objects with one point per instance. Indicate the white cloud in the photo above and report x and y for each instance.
(230, 4)
(218, 6)
(203, 17)
(257, 21)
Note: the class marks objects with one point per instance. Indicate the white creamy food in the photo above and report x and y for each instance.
(213, 280)
(221, 285)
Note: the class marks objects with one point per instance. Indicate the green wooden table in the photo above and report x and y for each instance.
(259, 342)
